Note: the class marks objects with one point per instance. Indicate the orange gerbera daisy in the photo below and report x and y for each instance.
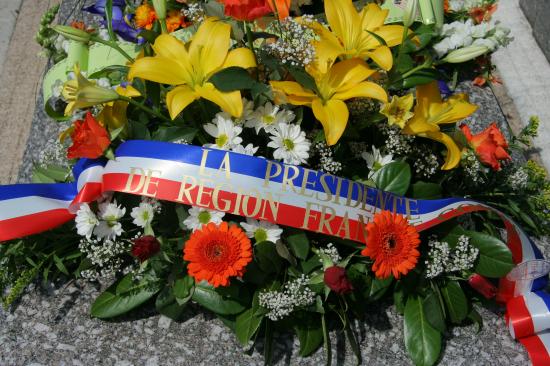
(392, 243)
(145, 16)
(217, 252)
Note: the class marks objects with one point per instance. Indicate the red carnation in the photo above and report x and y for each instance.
(246, 10)
(90, 139)
(336, 279)
(490, 145)
(145, 247)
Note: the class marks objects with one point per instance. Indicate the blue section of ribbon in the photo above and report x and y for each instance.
(84, 164)
(58, 191)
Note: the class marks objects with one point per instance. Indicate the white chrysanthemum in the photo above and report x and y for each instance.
(375, 160)
(86, 221)
(290, 144)
(199, 216)
(268, 117)
(262, 230)
(246, 150)
(143, 214)
(109, 227)
(224, 131)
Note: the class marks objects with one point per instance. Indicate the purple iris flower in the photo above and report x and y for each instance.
(120, 25)
(444, 89)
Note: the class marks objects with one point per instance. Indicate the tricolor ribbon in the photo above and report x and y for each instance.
(280, 193)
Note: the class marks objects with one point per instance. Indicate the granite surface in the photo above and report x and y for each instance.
(52, 326)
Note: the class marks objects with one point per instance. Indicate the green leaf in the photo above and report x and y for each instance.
(207, 296)
(421, 77)
(425, 191)
(173, 133)
(310, 334)
(423, 342)
(495, 259)
(283, 252)
(247, 325)
(456, 301)
(183, 289)
(232, 78)
(379, 287)
(167, 305)
(60, 266)
(394, 177)
(124, 296)
(434, 312)
(267, 257)
(299, 244)
(476, 318)
(303, 78)
(109, 19)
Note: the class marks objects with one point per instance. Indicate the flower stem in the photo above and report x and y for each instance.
(114, 45)
(250, 40)
(145, 108)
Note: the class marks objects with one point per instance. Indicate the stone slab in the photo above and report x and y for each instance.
(8, 16)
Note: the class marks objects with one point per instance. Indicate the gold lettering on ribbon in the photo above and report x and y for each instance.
(269, 175)
(289, 181)
(184, 190)
(146, 180)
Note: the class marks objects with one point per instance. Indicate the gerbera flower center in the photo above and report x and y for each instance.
(215, 251)
(288, 144)
(204, 217)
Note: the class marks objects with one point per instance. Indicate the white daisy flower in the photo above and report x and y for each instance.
(86, 221)
(224, 131)
(246, 150)
(109, 227)
(376, 160)
(262, 230)
(199, 216)
(143, 214)
(268, 117)
(290, 144)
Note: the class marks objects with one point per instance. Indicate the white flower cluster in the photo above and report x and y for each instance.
(518, 180)
(465, 5)
(144, 213)
(105, 225)
(325, 161)
(331, 252)
(426, 164)
(53, 153)
(290, 144)
(105, 256)
(194, 12)
(199, 216)
(397, 143)
(460, 34)
(442, 259)
(472, 167)
(294, 46)
(281, 303)
(262, 230)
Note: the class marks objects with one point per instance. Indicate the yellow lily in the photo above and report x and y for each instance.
(343, 80)
(354, 34)
(189, 67)
(83, 93)
(113, 114)
(431, 111)
(398, 111)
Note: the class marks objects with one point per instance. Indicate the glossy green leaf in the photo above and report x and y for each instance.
(299, 244)
(455, 301)
(423, 342)
(425, 191)
(232, 78)
(495, 259)
(434, 312)
(207, 296)
(167, 305)
(247, 325)
(310, 334)
(394, 177)
(267, 257)
(183, 289)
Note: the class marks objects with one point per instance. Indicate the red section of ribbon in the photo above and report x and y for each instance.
(520, 317)
(19, 227)
(537, 351)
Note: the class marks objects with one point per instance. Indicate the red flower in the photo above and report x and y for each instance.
(490, 145)
(335, 278)
(90, 139)
(145, 247)
(246, 10)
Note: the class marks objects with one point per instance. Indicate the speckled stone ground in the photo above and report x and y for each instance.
(52, 326)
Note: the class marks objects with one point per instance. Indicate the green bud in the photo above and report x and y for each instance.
(465, 54)
(409, 16)
(160, 8)
(73, 33)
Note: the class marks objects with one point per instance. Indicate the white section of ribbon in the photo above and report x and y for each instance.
(92, 174)
(23, 206)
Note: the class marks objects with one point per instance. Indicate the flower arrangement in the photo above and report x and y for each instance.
(281, 163)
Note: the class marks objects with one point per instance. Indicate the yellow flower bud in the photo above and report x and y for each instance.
(465, 54)
(72, 33)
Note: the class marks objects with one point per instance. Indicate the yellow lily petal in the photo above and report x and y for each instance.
(453, 109)
(344, 21)
(426, 95)
(453, 152)
(333, 115)
(327, 49)
(230, 102)
(382, 56)
(418, 125)
(179, 98)
(209, 45)
(159, 69)
(366, 89)
(128, 91)
(372, 17)
(170, 47)
(348, 72)
(291, 88)
(241, 57)
(392, 34)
